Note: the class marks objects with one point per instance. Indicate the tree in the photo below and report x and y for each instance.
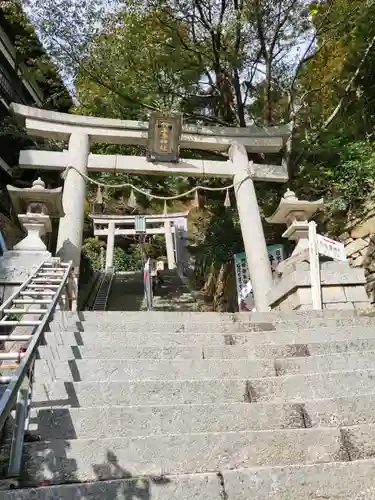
(233, 63)
(92, 248)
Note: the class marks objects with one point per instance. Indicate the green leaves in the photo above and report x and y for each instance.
(344, 174)
(150, 72)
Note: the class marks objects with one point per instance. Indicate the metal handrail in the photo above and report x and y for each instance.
(101, 298)
(19, 384)
(91, 294)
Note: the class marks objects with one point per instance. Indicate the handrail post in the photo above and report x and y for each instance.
(19, 428)
(316, 289)
(147, 281)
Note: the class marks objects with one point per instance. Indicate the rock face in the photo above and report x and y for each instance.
(359, 241)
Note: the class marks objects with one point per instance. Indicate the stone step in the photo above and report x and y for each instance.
(112, 323)
(181, 487)
(80, 394)
(106, 325)
(155, 316)
(287, 350)
(124, 369)
(330, 481)
(267, 339)
(204, 351)
(65, 352)
(291, 388)
(284, 316)
(346, 411)
(122, 340)
(145, 317)
(126, 421)
(302, 387)
(326, 363)
(333, 322)
(360, 441)
(267, 329)
(88, 460)
(306, 335)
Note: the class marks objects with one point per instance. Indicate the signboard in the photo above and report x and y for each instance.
(275, 254)
(140, 224)
(244, 289)
(164, 137)
(331, 248)
(3, 246)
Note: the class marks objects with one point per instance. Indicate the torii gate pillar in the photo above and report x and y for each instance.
(251, 227)
(169, 245)
(69, 239)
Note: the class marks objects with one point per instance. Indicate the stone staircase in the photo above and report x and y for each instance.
(203, 406)
(127, 294)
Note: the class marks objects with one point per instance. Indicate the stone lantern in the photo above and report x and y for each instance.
(296, 214)
(35, 207)
(341, 286)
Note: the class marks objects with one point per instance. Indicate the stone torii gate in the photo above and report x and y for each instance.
(173, 226)
(80, 131)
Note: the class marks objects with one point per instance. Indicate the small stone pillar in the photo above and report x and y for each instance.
(110, 246)
(35, 206)
(342, 287)
(169, 245)
(101, 258)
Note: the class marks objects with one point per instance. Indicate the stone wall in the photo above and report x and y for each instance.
(342, 287)
(359, 241)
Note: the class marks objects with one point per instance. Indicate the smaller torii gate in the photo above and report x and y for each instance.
(173, 226)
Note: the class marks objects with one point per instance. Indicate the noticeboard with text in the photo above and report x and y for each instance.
(3, 246)
(331, 248)
(275, 254)
(140, 224)
(244, 289)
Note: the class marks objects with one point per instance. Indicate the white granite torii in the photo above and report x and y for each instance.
(80, 131)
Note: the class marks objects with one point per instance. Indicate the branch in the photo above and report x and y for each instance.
(100, 82)
(318, 32)
(333, 115)
(222, 11)
(236, 78)
(260, 31)
(310, 91)
(281, 22)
